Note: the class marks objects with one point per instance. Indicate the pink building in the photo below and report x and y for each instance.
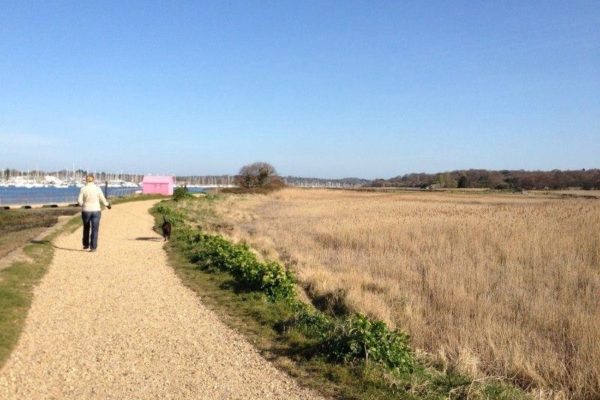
(158, 185)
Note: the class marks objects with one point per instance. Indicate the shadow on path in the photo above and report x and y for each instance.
(55, 246)
(150, 239)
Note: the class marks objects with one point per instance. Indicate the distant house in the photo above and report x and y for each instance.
(158, 185)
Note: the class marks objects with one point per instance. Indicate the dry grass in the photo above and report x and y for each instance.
(501, 285)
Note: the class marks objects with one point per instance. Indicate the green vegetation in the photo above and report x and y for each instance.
(181, 193)
(16, 285)
(501, 180)
(347, 356)
(214, 252)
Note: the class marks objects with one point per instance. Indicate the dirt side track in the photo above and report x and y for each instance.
(118, 324)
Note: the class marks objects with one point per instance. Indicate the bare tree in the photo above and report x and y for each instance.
(258, 174)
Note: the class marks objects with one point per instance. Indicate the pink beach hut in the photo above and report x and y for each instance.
(158, 185)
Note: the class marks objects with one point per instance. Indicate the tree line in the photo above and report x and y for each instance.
(261, 174)
(503, 179)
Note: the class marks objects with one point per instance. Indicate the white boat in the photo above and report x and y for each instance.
(119, 183)
(21, 182)
(130, 185)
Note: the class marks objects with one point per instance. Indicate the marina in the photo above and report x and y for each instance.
(38, 188)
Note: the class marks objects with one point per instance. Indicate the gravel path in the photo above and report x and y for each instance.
(118, 324)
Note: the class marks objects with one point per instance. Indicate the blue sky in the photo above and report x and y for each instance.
(317, 88)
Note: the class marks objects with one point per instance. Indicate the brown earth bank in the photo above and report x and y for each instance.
(18, 227)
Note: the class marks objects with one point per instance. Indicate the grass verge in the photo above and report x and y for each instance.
(266, 323)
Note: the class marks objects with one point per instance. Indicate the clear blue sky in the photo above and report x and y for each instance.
(317, 88)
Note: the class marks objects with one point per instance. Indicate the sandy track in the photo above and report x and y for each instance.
(118, 324)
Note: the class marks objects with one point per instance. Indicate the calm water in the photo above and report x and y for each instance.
(50, 195)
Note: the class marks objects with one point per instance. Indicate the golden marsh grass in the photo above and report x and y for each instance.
(494, 285)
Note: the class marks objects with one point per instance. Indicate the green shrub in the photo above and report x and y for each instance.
(353, 338)
(312, 323)
(358, 338)
(213, 252)
(274, 280)
(176, 218)
(181, 192)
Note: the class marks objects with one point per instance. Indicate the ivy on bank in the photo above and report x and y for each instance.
(354, 338)
(213, 252)
(340, 339)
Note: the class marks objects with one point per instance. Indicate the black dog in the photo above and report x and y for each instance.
(166, 229)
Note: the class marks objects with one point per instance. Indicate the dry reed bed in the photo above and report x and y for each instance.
(500, 285)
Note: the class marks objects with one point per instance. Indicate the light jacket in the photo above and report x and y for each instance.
(90, 197)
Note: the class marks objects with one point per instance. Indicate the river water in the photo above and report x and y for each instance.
(50, 195)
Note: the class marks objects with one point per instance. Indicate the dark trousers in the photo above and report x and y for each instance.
(91, 223)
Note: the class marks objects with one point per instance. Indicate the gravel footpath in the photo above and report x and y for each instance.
(118, 324)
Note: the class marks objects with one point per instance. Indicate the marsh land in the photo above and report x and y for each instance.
(492, 284)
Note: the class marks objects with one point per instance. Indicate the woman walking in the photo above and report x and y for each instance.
(90, 197)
